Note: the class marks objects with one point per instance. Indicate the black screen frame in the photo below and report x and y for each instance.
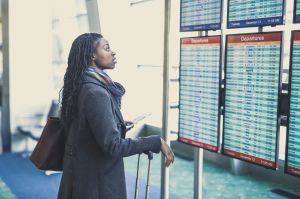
(219, 96)
(289, 105)
(201, 29)
(249, 26)
(294, 12)
(278, 100)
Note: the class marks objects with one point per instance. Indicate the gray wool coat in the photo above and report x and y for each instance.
(93, 166)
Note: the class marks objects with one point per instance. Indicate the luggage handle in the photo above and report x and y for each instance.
(150, 157)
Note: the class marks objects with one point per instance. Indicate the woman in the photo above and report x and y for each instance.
(93, 165)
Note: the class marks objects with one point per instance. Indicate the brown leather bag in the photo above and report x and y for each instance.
(49, 152)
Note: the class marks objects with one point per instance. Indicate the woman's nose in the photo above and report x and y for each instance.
(113, 53)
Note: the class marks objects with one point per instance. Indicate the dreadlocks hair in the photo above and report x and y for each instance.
(80, 57)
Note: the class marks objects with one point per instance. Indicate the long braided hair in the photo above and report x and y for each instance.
(80, 57)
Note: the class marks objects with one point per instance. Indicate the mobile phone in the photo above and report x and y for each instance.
(139, 118)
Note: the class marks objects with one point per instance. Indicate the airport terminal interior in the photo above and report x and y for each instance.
(219, 80)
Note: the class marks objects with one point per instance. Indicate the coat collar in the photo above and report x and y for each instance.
(86, 78)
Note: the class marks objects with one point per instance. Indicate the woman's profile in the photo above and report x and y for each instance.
(93, 165)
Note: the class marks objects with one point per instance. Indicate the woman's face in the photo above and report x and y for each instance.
(104, 57)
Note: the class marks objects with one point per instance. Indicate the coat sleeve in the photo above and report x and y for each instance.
(99, 113)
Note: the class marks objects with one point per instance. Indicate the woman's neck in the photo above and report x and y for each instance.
(97, 68)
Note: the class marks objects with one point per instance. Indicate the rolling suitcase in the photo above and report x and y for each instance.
(150, 157)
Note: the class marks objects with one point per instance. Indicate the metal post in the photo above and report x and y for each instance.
(198, 163)
(164, 189)
(5, 107)
(93, 15)
(198, 172)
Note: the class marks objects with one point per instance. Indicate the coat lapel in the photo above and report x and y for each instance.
(88, 79)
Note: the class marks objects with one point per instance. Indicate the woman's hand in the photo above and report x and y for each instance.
(129, 125)
(168, 153)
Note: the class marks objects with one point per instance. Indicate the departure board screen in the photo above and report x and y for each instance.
(293, 139)
(200, 15)
(199, 85)
(297, 11)
(249, 13)
(252, 79)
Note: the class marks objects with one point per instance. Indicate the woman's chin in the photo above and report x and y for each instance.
(114, 64)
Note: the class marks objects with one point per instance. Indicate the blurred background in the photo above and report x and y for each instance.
(35, 40)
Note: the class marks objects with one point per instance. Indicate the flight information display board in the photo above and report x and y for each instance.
(292, 160)
(252, 84)
(198, 15)
(199, 85)
(296, 11)
(249, 13)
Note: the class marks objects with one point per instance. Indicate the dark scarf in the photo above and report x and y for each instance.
(115, 88)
